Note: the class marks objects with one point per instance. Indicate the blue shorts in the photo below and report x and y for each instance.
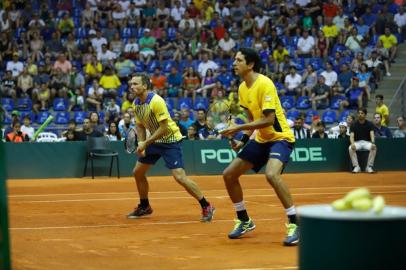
(171, 152)
(259, 153)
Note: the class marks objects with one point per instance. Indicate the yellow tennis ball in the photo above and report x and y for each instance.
(341, 205)
(378, 203)
(357, 194)
(362, 204)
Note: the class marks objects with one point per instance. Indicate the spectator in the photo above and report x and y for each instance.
(192, 133)
(131, 49)
(8, 86)
(15, 66)
(322, 45)
(343, 80)
(200, 122)
(125, 124)
(362, 138)
(105, 56)
(110, 83)
(382, 109)
(209, 132)
(320, 131)
(354, 41)
(330, 31)
(320, 94)
(305, 46)
(112, 133)
(159, 82)
(375, 65)
(299, 131)
(401, 131)
(112, 111)
(117, 45)
(343, 133)
(128, 102)
(309, 80)
(330, 75)
(124, 67)
(279, 56)
(165, 48)
(292, 83)
(226, 46)
(335, 131)
(175, 82)
(390, 42)
(98, 41)
(191, 83)
(93, 69)
(400, 20)
(205, 65)
(177, 12)
(87, 131)
(17, 136)
(44, 97)
(62, 64)
(355, 95)
(27, 128)
(380, 130)
(66, 25)
(183, 130)
(95, 121)
(185, 118)
(147, 44)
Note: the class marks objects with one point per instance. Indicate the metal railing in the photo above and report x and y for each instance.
(397, 105)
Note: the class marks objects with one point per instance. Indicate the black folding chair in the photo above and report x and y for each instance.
(99, 147)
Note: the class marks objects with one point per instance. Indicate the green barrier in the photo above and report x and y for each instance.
(64, 160)
(4, 236)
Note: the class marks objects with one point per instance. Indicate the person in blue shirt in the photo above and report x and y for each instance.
(379, 130)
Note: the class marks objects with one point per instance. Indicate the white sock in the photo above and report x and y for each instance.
(291, 211)
(239, 206)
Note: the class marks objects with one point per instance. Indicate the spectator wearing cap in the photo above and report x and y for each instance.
(15, 66)
(390, 42)
(147, 46)
(320, 94)
(343, 132)
(401, 131)
(292, 83)
(354, 95)
(320, 132)
(16, 135)
(362, 137)
(335, 131)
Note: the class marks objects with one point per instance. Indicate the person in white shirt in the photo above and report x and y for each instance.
(106, 56)
(261, 20)
(205, 65)
(226, 45)
(293, 81)
(222, 9)
(330, 75)
(95, 95)
(305, 45)
(177, 11)
(354, 41)
(15, 66)
(27, 128)
(98, 41)
(339, 19)
(186, 18)
(400, 20)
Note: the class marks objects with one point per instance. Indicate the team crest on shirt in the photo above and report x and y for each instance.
(267, 98)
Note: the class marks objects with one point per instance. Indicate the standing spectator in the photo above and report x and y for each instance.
(401, 131)
(382, 109)
(320, 131)
(17, 135)
(299, 131)
(390, 42)
(362, 137)
(27, 128)
(380, 130)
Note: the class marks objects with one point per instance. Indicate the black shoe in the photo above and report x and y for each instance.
(140, 212)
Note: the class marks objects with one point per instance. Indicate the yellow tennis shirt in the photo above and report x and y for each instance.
(262, 96)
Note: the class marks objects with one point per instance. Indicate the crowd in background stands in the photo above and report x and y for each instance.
(320, 54)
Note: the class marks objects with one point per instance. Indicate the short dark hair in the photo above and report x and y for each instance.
(252, 56)
(364, 110)
(201, 110)
(379, 96)
(145, 79)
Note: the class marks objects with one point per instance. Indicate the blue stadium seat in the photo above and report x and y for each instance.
(81, 32)
(335, 102)
(329, 117)
(7, 119)
(123, 87)
(170, 103)
(309, 116)
(152, 65)
(101, 116)
(30, 114)
(139, 32)
(201, 103)
(167, 65)
(317, 63)
(287, 102)
(79, 116)
(62, 118)
(303, 103)
(171, 31)
(42, 116)
(60, 104)
(292, 114)
(185, 103)
(344, 114)
(24, 104)
(139, 66)
(127, 32)
(7, 104)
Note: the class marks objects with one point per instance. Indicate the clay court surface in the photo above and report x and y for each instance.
(81, 223)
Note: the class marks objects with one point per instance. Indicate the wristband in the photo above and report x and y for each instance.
(245, 138)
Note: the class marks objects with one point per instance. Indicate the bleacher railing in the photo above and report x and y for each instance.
(397, 104)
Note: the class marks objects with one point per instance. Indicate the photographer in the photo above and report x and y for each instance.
(17, 135)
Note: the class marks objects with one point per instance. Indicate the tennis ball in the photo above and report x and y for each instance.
(362, 204)
(341, 205)
(378, 203)
(357, 194)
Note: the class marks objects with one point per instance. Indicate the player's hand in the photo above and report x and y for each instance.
(230, 131)
(353, 147)
(141, 149)
(236, 145)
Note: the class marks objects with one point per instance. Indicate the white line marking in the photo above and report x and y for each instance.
(132, 224)
(182, 191)
(188, 197)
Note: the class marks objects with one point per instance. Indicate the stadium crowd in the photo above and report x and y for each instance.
(73, 58)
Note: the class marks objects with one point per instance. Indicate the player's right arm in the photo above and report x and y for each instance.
(141, 132)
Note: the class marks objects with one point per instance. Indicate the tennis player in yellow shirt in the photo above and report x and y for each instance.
(165, 141)
(272, 146)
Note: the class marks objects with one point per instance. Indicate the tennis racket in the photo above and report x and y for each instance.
(220, 114)
(131, 141)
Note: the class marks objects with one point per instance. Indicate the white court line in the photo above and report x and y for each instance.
(130, 224)
(188, 197)
(182, 191)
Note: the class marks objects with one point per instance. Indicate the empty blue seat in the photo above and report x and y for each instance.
(62, 118)
(127, 32)
(7, 104)
(292, 114)
(79, 116)
(30, 114)
(329, 117)
(60, 104)
(167, 65)
(335, 102)
(309, 116)
(152, 65)
(201, 103)
(303, 103)
(287, 102)
(7, 119)
(343, 115)
(139, 66)
(42, 116)
(81, 32)
(185, 103)
(170, 103)
(24, 104)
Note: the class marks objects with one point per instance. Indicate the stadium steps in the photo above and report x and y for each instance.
(389, 85)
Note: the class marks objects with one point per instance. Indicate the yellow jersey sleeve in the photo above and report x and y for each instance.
(159, 109)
